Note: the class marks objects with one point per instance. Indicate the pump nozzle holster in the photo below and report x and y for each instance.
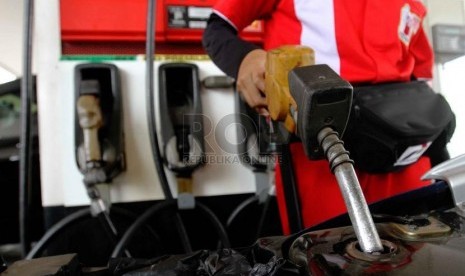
(99, 142)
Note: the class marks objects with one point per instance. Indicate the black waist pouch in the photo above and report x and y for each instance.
(392, 125)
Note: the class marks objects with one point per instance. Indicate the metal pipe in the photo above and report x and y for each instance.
(357, 207)
(27, 95)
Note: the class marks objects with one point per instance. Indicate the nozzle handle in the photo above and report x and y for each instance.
(90, 120)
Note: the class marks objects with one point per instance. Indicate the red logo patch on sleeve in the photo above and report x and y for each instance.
(409, 24)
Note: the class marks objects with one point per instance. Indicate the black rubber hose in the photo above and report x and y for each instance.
(241, 207)
(289, 181)
(103, 215)
(221, 231)
(26, 137)
(108, 227)
(56, 229)
(131, 231)
(129, 214)
(150, 51)
(244, 204)
(261, 222)
(70, 220)
(150, 92)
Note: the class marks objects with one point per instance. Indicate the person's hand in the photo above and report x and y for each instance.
(251, 80)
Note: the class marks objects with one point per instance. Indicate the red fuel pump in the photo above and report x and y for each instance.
(118, 27)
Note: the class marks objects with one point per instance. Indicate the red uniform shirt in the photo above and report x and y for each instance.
(362, 40)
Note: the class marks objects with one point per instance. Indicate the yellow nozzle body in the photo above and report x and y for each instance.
(279, 62)
(90, 120)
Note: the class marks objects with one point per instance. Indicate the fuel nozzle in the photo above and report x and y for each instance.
(91, 120)
(323, 106)
(314, 103)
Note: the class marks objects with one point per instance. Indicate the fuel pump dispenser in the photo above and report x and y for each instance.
(120, 35)
(99, 146)
(181, 123)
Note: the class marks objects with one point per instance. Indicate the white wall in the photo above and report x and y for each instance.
(11, 35)
(448, 77)
(445, 11)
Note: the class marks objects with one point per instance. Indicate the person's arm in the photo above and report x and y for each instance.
(420, 47)
(421, 50)
(239, 59)
(223, 45)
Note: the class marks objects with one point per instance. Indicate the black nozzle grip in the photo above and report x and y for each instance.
(323, 100)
